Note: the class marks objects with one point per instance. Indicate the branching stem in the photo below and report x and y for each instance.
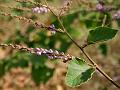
(80, 47)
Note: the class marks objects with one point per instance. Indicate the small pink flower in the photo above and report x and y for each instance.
(42, 9)
(116, 15)
(100, 7)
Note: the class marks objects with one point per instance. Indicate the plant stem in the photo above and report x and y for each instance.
(104, 20)
(88, 57)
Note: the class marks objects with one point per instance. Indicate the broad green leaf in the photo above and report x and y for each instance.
(41, 74)
(101, 34)
(78, 72)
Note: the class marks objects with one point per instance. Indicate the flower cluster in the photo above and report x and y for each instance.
(42, 9)
(116, 15)
(51, 54)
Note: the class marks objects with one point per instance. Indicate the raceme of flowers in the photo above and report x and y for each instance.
(51, 54)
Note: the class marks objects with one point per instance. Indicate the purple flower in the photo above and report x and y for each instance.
(35, 9)
(42, 9)
(51, 54)
(116, 15)
(56, 52)
(52, 29)
(100, 7)
(50, 57)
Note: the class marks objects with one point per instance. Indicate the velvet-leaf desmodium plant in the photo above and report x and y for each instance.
(79, 70)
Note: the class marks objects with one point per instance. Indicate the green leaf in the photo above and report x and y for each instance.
(78, 72)
(37, 60)
(103, 49)
(41, 74)
(101, 34)
(2, 68)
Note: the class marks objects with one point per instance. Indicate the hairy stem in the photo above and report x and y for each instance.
(88, 57)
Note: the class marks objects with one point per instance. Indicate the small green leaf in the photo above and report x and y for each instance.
(103, 49)
(78, 72)
(101, 34)
(2, 68)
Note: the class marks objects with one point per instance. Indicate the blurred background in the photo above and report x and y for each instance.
(23, 71)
